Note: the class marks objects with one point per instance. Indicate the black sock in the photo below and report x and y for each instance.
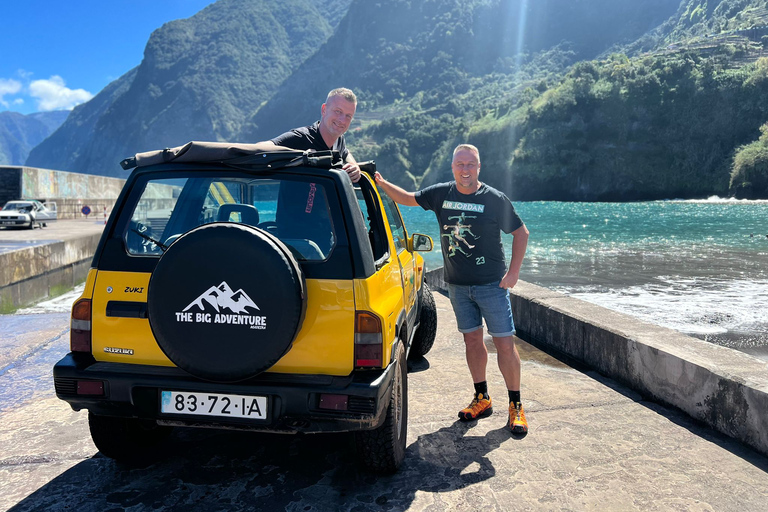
(481, 387)
(514, 396)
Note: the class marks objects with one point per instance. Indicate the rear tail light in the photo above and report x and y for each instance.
(368, 340)
(80, 335)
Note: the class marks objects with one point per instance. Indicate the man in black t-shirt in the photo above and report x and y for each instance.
(336, 114)
(472, 216)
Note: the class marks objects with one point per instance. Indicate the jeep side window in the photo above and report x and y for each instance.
(262, 193)
(395, 223)
(376, 233)
(224, 203)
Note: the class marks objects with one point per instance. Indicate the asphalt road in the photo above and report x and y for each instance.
(59, 230)
(592, 445)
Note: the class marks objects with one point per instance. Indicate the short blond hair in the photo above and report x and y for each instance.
(345, 93)
(467, 147)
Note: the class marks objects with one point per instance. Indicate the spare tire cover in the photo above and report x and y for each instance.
(226, 301)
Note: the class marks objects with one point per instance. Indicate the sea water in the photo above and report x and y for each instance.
(700, 267)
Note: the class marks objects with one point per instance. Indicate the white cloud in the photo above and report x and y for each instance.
(52, 94)
(8, 86)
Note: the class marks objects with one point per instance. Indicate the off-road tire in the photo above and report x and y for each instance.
(262, 273)
(128, 440)
(425, 334)
(382, 450)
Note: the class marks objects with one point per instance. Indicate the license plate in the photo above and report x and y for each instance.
(211, 404)
(8, 222)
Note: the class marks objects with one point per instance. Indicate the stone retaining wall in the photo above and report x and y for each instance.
(69, 190)
(41, 271)
(724, 388)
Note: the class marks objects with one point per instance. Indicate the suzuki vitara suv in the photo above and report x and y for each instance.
(263, 291)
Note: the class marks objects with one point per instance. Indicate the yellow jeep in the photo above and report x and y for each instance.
(236, 288)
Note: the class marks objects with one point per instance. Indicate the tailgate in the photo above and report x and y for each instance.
(121, 331)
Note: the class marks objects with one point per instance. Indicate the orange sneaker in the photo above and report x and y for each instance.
(517, 422)
(480, 407)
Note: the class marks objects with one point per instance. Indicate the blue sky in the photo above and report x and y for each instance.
(55, 54)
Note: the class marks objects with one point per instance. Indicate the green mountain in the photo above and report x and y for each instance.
(19, 133)
(702, 19)
(199, 80)
(659, 125)
(423, 70)
(566, 99)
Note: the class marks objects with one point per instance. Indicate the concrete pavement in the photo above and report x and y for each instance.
(593, 445)
(55, 231)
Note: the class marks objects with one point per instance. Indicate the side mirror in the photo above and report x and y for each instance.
(420, 243)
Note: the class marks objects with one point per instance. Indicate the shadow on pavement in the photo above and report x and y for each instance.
(217, 470)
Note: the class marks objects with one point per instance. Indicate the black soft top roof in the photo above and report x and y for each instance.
(231, 153)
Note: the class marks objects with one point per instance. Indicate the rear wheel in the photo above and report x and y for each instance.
(425, 334)
(382, 450)
(126, 439)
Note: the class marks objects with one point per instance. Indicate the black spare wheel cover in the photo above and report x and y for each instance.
(226, 301)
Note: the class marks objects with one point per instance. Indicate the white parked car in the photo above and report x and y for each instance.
(27, 214)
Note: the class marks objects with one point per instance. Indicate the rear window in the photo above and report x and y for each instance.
(296, 209)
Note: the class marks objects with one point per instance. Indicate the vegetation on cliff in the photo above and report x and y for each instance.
(624, 129)
(749, 175)
(598, 100)
(656, 125)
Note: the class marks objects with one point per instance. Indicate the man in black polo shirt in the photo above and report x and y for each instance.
(328, 133)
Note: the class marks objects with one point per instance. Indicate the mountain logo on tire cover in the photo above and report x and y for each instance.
(221, 298)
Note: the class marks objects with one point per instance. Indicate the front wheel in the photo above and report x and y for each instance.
(126, 439)
(382, 450)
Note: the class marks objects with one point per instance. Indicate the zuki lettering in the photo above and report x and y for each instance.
(131, 289)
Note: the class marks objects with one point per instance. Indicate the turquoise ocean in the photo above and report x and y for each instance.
(697, 266)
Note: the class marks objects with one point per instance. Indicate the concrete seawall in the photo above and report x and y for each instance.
(724, 388)
(69, 190)
(38, 264)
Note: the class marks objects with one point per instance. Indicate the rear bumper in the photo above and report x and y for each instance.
(293, 400)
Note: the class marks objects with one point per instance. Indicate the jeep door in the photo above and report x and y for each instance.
(404, 256)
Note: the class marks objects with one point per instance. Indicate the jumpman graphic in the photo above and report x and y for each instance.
(458, 233)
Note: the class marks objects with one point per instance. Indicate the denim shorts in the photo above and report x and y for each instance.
(473, 303)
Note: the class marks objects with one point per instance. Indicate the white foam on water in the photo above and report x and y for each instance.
(698, 306)
(720, 200)
(61, 304)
